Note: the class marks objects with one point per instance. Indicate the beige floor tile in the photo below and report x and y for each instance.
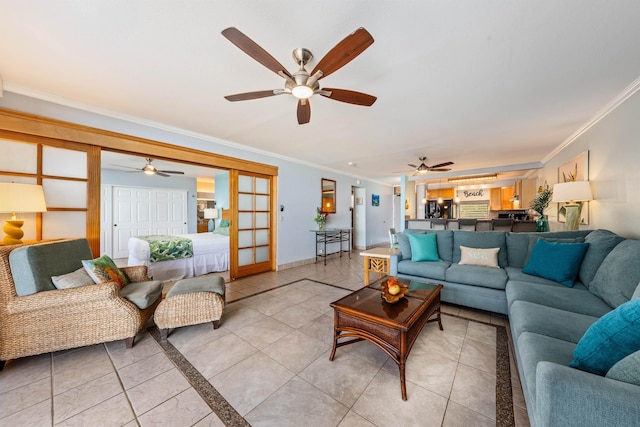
(193, 336)
(185, 409)
(261, 334)
(354, 420)
(422, 407)
(215, 357)
(303, 403)
(115, 411)
(23, 397)
(36, 415)
(26, 370)
(144, 347)
(79, 367)
(85, 396)
(296, 350)
(211, 420)
(461, 416)
(143, 370)
(476, 390)
(483, 333)
(296, 316)
(248, 383)
(155, 391)
(479, 355)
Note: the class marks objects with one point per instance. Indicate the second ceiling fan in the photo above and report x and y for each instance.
(302, 84)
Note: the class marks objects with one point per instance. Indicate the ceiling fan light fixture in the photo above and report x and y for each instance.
(149, 170)
(302, 92)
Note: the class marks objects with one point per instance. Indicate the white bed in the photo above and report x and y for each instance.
(210, 254)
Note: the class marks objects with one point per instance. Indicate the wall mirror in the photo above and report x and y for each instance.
(328, 195)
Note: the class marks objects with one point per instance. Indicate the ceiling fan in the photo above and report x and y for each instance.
(423, 168)
(302, 84)
(149, 169)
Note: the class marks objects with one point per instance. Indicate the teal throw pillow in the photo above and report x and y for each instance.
(612, 338)
(222, 230)
(424, 247)
(103, 270)
(556, 261)
(225, 223)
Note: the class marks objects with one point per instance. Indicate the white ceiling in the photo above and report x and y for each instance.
(485, 84)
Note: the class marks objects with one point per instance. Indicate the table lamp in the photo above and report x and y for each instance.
(211, 214)
(572, 192)
(21, 198)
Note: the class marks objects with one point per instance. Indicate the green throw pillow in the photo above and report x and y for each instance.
(224, 231)
(556, 261)
(612, 338)
(103, 270)
(424, 247)
(225, 223)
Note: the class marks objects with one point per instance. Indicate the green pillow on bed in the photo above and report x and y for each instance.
(224, 231)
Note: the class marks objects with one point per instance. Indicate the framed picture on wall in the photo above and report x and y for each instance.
(576, 169)
(375, 200)
(359, 201)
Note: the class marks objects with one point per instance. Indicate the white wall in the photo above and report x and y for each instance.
(298, 184)
(614, 170)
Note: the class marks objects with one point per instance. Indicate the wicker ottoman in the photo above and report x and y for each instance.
(190, 302)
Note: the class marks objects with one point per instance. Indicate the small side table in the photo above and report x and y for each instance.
(377, 260)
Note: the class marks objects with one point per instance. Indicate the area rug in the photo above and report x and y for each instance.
(225, 411)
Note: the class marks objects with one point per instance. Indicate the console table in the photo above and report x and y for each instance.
(332, 235)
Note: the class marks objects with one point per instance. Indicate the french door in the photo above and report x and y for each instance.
(252, 227)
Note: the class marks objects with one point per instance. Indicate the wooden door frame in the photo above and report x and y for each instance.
(24, 127)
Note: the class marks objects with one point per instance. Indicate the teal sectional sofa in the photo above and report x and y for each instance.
(577, 343)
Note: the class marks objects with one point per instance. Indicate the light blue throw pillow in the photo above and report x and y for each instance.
(556, 261)
(612, 338)
(424, 247)
(627, 370)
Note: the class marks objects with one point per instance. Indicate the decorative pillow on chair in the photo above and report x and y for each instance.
(74, 279)
(424, 247)
(486, 257)
(556, 261)
(103, 270)
(612, 338)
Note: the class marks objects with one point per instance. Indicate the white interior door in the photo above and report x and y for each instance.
(132, 216)
(170, 208)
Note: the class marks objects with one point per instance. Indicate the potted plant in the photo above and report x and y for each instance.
(539, 204)
(321, 218)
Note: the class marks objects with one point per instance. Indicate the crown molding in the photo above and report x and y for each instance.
(604, 112)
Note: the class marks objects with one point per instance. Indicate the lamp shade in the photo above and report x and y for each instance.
(573, 191)
(23, 198)
(210, 213)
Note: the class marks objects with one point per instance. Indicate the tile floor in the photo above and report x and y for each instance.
(274, 369)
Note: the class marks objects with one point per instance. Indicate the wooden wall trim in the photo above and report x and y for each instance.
(28, 124)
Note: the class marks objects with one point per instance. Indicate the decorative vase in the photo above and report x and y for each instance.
(542, 223)
(321, 226)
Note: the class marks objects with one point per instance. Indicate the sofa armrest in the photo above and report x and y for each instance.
(62, 297)
(137, 273)
(393, 263)
(566, 396)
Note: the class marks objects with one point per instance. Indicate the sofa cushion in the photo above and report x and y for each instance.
(517, 248)
(430, 269)
(612, 338)
(627, 370)
(476, 275)
(142, 294)
(529, 317)
(534, 348)
(516, 274)
(556, 261)
(575, 300)
(75, 279)
(33, 266)
(480, 239)
(404, 245)
(477, 256)
(424, 247)
(619, 274)
(103, 270)
(601, 242)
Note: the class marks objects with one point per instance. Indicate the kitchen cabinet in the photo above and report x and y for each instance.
(495, 199)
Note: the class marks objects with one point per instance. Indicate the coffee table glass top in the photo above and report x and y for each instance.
(369, 300)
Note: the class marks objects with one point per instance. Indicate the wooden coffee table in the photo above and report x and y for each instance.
(364, 315)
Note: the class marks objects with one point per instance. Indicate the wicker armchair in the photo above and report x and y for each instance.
(65, 318)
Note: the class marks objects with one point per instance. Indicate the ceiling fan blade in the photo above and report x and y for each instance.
(439, 165)
(304, 111)
(438, 170)
(250, 95)
(413, 166)
(252, 49)
(128, 167)
(176, 172)
(344, 52)
(162, 174)
(350, 96)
